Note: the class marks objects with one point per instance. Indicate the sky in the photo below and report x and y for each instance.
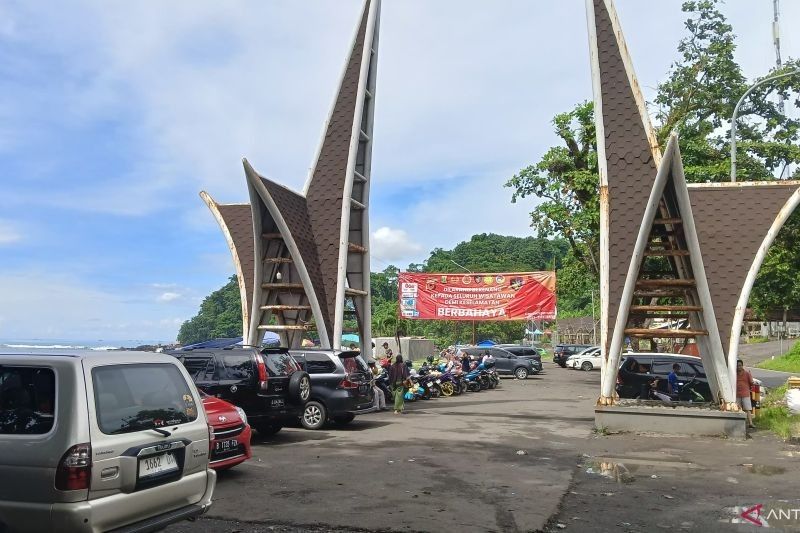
(116, 114)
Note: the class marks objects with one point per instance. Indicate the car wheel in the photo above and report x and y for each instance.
(586, 366)
(521, 373)
(299, 388)
(267, 429)
(314, 415)
(344, 419)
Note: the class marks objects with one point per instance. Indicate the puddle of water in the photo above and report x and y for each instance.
(616, 471)
(764, 470)
(626, 472)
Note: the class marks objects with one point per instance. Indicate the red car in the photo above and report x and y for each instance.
(231, 443)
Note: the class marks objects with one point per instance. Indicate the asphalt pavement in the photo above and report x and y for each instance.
(523, 457)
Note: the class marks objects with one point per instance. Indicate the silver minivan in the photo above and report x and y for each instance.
(100, 441)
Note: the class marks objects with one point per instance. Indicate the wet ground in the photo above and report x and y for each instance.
(523, 457)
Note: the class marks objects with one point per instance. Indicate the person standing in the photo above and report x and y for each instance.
(398, 374)
(379, 402)
(744, 382)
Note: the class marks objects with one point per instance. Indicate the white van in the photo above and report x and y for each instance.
(100, 441)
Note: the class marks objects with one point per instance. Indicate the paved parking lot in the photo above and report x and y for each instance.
(523, 457)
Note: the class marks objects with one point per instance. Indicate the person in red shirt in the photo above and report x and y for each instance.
(744, 382)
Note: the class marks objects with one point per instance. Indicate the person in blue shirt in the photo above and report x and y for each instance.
(672, 379)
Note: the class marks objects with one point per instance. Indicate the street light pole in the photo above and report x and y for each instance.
(471, 272)
(736, 113)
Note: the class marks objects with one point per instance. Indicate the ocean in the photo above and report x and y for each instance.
(72, 344)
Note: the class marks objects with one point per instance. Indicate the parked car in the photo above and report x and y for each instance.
(341, 386)
(230, 444)
(529, 352)
(638, 370)
(506, 363)
(588, 359)
(562, 351)
(268, 384)
(96, 441)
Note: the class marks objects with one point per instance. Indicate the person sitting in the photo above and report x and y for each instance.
(672, 380)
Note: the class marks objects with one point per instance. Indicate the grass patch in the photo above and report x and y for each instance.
(774, 415)
(757, 340)
(790, 362)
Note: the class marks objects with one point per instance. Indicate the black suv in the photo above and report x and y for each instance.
(268, 383)
(638, 370)
(562, 351)
(341, 386)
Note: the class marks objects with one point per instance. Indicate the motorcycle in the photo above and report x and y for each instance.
(473, 381)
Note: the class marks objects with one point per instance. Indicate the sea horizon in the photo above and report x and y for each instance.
(77, 344)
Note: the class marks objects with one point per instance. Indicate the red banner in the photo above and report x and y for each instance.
(507, 296)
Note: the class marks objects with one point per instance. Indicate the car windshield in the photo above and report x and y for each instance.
(27, 400)
(136, 397)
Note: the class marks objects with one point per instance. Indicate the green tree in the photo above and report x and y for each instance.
(566, 182)
(777, 286)
(220, 315)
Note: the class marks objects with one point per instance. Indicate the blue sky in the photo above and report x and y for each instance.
(116, 114)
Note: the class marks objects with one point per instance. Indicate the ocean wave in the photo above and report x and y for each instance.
(104, 348)
(45, 346)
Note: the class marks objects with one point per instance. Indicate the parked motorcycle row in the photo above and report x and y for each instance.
(433, 380)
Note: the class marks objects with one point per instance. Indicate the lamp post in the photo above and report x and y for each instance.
(473, 321)
(736, 113)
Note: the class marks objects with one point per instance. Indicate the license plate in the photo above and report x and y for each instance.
(226, 445)
(157, 464)
(362, 389)
(277, 402)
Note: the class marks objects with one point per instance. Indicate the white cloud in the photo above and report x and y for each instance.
(390, 245)
(169, 296)
(454, 215)
(8, 233)
(84, 311)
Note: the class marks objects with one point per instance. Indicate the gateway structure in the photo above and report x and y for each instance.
(302, 258)
(705, 267)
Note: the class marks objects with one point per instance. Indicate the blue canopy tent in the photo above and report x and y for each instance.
(270, 339)
(350, 337)
(486, 343)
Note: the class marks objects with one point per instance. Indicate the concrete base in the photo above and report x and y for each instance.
(669, 420)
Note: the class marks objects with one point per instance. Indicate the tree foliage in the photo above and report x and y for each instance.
(566, 183)
(220, 315)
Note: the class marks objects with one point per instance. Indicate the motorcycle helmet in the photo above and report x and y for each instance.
(409, 364)
(430, 359)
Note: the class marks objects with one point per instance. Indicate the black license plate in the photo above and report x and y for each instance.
(363, 389)
(277, 402)
(222, 446)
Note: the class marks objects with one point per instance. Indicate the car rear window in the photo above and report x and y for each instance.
(200, 368)
(236, 366)
(280, 364)
(136, 397)
(319, 364)
(354, 364)
(27, 400)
